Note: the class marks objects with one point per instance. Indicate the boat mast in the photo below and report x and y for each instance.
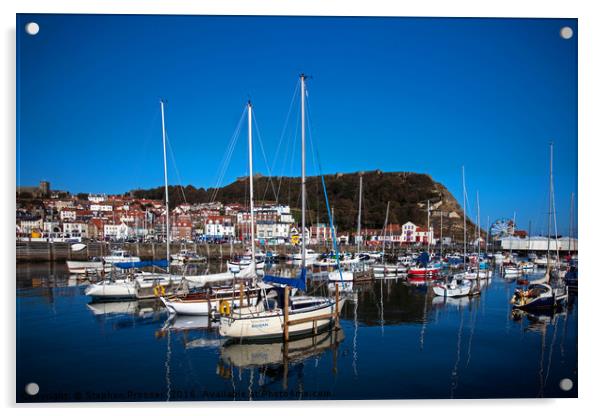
(385, 230)
(428, 226)
(478, 242)
(359, 217)
(512, 237)
(571, 223)
(250, 127)
(464, 209)
(549, 211)
(441, 234)
(165, 175)
(302, 76)
(487, 239)
(529, 241)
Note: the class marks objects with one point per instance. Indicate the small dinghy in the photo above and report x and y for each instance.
(455, 288)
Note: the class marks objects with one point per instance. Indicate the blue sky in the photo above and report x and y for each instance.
(397, 94)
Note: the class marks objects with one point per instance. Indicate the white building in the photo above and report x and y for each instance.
(68, 215)
(117, 231)
(537, 244)
(273, 231)
(411, 233)
(27, 226)
(97, 198)
(219, 227)
(75, 229)
(101, 207)
(52, 227)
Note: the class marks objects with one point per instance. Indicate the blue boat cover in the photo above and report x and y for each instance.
(298, 282)
(423, 259)
(140, 264)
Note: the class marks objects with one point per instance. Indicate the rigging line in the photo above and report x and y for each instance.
(290, 155)
(309, 129)
(330, 219)
(293, 155)
(288, 144)
(283, 131)
(221, 173)
(173, 160)
(228, 156)
(147, 136)
(265, 159)
(229, 151)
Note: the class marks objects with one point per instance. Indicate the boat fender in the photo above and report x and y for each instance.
(224, 308)
(159, 290)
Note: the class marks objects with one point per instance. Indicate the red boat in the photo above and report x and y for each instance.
(422, 273)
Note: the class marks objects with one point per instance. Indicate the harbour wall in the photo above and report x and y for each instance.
(37, 251)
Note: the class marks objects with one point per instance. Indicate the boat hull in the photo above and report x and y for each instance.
(202, 307)
(451, 292)
(343, 276)
(271, 326)
(114, 291)
(84, 267)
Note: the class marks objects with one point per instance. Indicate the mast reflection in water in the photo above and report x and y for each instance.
(396, 341)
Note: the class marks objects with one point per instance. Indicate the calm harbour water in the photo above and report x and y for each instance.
(397, 342)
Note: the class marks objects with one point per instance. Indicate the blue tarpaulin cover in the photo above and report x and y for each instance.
(298, 282)
(140, 264)
(423, 259)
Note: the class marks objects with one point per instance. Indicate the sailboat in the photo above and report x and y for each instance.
(223, 299)
(383, 270)
(275, 314)
(456, 288)
(138, 285)
(425, 268)
(541, 294)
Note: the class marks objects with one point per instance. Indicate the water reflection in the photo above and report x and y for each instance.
(444, 346)
(194, 331)
(274, 361)
(542, 324)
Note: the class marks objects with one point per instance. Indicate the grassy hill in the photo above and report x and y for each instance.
(406, 191)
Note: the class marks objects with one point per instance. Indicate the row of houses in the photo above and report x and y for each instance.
(122, 218)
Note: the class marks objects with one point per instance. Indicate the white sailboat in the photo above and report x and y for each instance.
(274, 311)
(212, 300)
(185, 256)
(103, 264)
(542, 294)
(138, 285)
(88, 267)
(455, 288)
(120, 256)
(384, 269)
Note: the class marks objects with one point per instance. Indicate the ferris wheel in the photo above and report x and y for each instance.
(501, 228)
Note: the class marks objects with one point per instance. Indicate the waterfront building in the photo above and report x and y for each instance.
(181, 228)
(27, 226)
(320, 233)
(272, 232)
(117, 231)
(411, 233)
(75, 229)
(219, 227)
(536, 244)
